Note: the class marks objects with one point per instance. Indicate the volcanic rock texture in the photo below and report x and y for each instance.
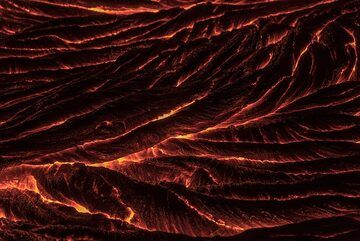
(180, 120)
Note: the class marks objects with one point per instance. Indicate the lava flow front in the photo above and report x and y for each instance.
(230, 120)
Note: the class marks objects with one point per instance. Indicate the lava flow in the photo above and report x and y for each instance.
(229, 120)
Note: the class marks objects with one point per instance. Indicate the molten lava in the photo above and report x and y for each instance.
(179, 120)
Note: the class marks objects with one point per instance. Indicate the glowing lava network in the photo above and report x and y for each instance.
(229, 120)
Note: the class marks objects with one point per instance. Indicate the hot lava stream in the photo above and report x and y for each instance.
(231, 120)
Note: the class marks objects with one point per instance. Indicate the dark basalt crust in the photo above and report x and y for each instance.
(229, 120)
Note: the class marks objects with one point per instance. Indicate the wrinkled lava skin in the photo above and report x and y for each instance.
(230, 120)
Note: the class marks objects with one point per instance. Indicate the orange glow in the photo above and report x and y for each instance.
(29, 183)
(200, 119)
(2, 213)
(131, 215)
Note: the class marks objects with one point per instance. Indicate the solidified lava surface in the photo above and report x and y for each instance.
(229, 120)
